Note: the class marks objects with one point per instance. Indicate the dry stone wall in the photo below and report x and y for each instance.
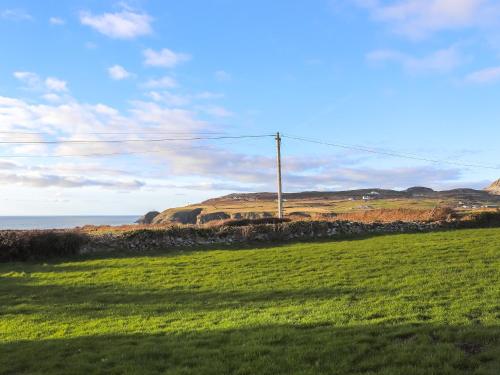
(149, 239)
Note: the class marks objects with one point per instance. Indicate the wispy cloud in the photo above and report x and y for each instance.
(31, 79)
(216, 111)
(118, 72)
(125, 24)
(42, 181)
(222, 75)
(484, 76)
(164, 82)
(419, 19)
(165, 58)
(169, 98)
(34, 82)
(57, 21)
(15, 15)
(56, 84)
(178, 100)
(443, 60)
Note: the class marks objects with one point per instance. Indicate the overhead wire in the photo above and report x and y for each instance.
(391, 153)
(134, 140)
(120, 153)
(213, 136)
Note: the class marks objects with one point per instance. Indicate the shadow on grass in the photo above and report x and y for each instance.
(19, 297)
(281, 349)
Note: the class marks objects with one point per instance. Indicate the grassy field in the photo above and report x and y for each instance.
(321, 205)
(401, 304)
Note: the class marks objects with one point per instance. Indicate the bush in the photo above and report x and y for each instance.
(38, 245)
(390, 215)
(483, 219)
(245, 222)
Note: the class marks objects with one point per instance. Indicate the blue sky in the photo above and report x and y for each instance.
(406, 76)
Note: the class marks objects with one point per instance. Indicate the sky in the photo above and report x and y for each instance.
(413, 77)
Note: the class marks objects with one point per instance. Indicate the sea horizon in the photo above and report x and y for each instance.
(16, 222)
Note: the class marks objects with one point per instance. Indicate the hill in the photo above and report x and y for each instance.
(494, 188)
(402, 304)
(316, 204)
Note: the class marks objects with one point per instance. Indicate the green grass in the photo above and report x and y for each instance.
(401, 304)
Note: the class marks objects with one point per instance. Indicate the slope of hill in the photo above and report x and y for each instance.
(494, 188)
(326, 204)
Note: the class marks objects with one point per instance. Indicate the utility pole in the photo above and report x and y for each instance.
(278, 160)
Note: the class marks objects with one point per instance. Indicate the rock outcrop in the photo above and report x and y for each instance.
(184, 216)
(148, 218)
(213, 216)
(494, 188)
(251, 215)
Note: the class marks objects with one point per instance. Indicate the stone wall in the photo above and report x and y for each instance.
(150, 239)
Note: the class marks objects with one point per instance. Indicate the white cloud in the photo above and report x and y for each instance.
(208, 95)
(222, 75)
(51, 97)
(43, 180)
(177, 100)
(164, 82)
(169, 99)
(420, 18)
(118, 72)
(216, 111)
(125, 24)
(32, 80)
(164, 58)
(484, 76)
(55, 84)
(443, 60)
(56, 21)
(15, 15)
(151, 163)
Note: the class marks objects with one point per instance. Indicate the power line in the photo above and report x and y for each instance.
(136, 140)
(119, 153)
(81, 155)
(391, 153)
(116, 133)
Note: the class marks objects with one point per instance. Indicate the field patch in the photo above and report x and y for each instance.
(394, 304)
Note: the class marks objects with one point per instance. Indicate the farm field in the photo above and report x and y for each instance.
(395, 304)
(324, 205)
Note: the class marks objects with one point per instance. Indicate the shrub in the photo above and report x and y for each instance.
(245, 222)
(37, 245)
(483, 219)
(386, 215)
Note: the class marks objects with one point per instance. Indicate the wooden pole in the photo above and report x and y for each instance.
(278, 160)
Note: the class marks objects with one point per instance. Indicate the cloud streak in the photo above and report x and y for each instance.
(44, 181)
(419, 19)
(484, 76)
(444, 60)
(164, 58)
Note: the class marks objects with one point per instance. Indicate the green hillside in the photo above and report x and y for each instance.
(402, 304)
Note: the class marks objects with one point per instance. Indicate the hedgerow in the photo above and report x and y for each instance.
(37, 245)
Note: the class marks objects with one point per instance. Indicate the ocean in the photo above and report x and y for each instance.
(61, 222)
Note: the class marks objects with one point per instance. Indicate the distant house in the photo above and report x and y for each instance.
(367, 197)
